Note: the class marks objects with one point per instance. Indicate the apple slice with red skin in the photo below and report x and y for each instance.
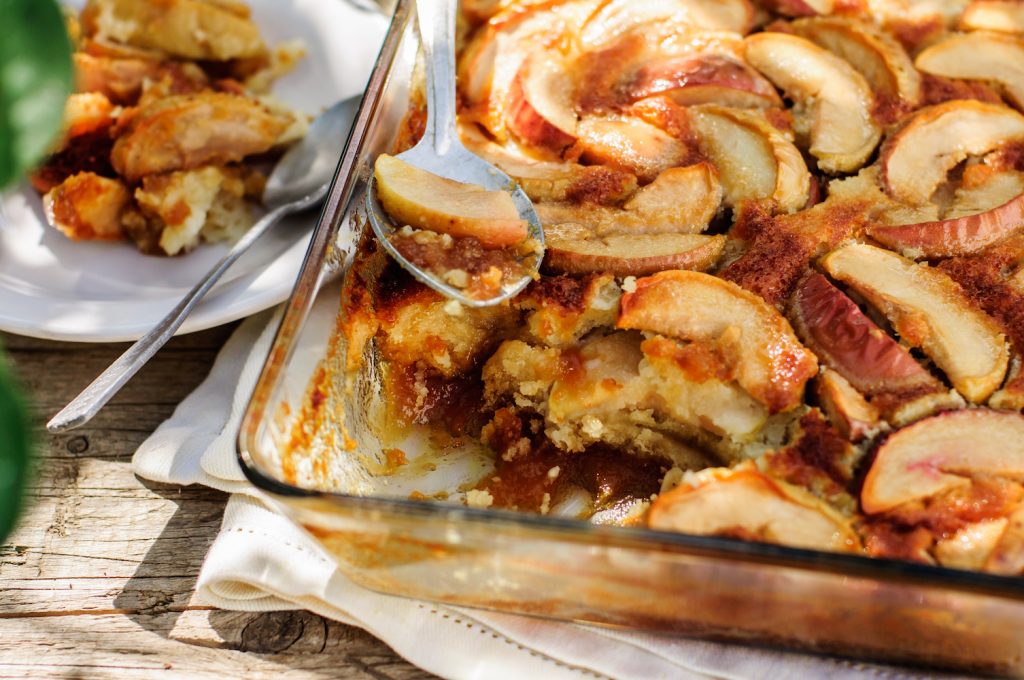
(490, 62)
(540, 111)
(770, 363)
(575, 250)
(754, 159)
(1006, 16)
(875, 54)
(953, 236)
(745, 503)
(835, 100)
(979, 55)
(941, 453)
(851, 344)
(929, 311)
(701, 79)
(916, 159)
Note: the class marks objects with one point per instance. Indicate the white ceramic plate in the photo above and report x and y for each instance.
(53, 288)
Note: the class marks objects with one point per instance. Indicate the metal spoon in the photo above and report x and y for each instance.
(299, 181)
(441, 152)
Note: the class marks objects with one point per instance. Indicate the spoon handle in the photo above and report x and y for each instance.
(437, 35)
(87, 404)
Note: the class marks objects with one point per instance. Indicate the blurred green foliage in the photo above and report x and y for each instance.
(35, 79)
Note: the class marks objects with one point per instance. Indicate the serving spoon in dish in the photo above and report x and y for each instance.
(441, 153)
(299, 181)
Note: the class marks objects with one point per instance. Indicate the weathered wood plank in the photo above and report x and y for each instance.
(209, 644)
(98, 579)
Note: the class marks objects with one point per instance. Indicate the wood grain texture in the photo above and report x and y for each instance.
(97, 580)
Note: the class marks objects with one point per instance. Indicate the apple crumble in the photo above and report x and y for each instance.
(169, 132)
(783, 298)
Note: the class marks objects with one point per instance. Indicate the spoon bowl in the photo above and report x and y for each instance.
(440, 152)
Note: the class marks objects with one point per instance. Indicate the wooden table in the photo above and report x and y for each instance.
(97, 580)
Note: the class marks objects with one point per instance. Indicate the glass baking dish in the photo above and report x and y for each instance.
(716, 588)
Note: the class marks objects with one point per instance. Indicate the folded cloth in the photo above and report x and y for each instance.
(261, 561)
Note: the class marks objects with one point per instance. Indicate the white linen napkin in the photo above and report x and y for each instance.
(261, 561)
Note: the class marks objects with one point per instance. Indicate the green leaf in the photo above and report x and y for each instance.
(15, 446)
(35, 79)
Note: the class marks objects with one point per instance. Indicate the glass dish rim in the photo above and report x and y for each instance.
(299, 303)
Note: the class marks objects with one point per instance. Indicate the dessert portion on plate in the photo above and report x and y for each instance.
(167, 138)
(783, 297)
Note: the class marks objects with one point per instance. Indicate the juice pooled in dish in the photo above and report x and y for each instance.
(470, 237)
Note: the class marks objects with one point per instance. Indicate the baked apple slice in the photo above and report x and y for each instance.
(800, 8)
(745, 503)
(574, 250)
(492, 59)
(630, 144)
(1008, 555)
(679, 201)
(834, 101)
(423, 200)
(540, 111)
(852, 345)
(617, 17)
(551, 180)
(941, 453)
(875, 54)
(754, 159)
(1006, 16)
(978, 217)
(971, 546)
(767, 359)
(702, 78)
(929, 311)
(979, 55)
(915, 160)
(846, 408)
